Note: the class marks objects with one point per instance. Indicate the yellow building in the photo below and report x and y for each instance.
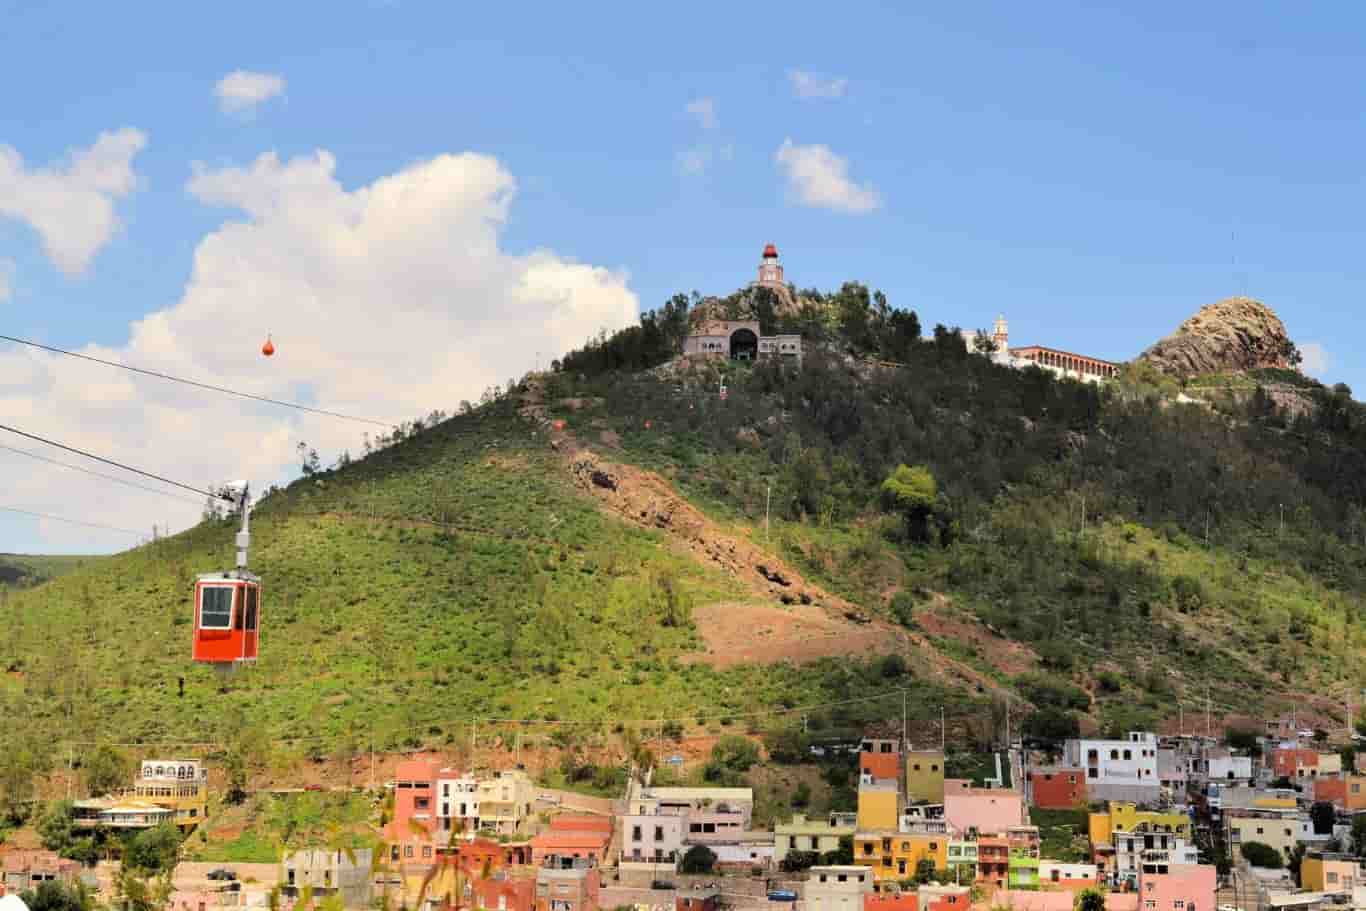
(1126, 817)
(893, 855)
(925, 776)
(1328, 873)
(878, 806)
(181, 785)
(1276, 831)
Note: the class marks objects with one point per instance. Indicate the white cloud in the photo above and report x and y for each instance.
(71, 205)
(818, 177)
(812, 85)
(242, 90)
(704, 109)
(385, 301)
(1316, 359)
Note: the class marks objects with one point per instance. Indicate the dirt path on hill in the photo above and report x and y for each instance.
(800, 620)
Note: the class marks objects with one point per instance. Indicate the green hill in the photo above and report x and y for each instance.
(27, 570)
(1101, 554)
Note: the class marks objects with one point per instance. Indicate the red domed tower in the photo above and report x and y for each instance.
(770, 270)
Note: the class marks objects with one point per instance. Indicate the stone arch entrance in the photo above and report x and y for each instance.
(744, 345)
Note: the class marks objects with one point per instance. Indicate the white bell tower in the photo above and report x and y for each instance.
(770, 269)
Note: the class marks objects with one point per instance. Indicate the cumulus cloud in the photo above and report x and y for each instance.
(704, 109)
(812, 85)
(71, 204)
(818, 177)
(241, 91)
(386, 300)
(1316, 359)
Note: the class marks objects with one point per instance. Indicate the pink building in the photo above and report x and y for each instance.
(985, 811)
(1188, 887)
(410, 832)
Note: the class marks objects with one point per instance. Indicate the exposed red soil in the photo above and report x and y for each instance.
(1004, 655)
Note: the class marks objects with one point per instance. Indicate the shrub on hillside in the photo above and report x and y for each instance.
(699, 859)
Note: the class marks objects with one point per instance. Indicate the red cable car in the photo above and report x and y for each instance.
(227, 607)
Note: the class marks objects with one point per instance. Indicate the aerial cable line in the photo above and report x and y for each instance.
(195, 383)
(97, 474)
(145, 474)
(43, 515)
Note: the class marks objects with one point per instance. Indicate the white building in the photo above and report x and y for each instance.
(1152, 852)
(662, 823)
(1055, 871)
(838, 888)
(326, 873)
(1118, 769)
(457, 802)
(651, 839)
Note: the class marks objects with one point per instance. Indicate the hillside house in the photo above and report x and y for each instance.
(328, 873)
(840, 888)
(1331, 873)
(983, 811)
(925, 776)
(572, 839)
(1118, 769)
(22, 871)
(894, 856)
(573, 888)
(1056, 787)
(819, 835)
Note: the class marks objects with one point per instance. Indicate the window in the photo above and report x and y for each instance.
(407, 850)
(917, 767)
(659, 833)
(215, 611)
(635, 833)
(445, 789)
(422, 803)
(426, 851)
(823, 879)
(1114, 754)
(934, 846)
(1128, 754)
(934, 767)
(1332, 877)
(251, 607)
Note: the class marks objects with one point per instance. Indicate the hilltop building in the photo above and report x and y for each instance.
(165, 791)
(742, 339)
(1056, 361)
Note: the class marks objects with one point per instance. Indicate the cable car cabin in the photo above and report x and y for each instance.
(226, 618)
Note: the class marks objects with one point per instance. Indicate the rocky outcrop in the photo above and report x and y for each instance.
(1233, 336)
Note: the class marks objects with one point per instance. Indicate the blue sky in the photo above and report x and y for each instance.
(1094, 173)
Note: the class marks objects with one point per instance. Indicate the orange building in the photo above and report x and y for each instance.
(891, 901)
(880, 765)
(1056, 789)
(504, 893)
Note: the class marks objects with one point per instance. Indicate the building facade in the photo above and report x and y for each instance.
(1118, 769)
(1056, 788)
(326, 873)
(837, 888)
(925, 776)
(818, 836)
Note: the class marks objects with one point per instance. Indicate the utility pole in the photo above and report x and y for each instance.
(905, 734)
(943, 731)
(1207, 712)
(372, 755)
(1181, 717)
(1280, 529)
(474, 723)
(768, 501)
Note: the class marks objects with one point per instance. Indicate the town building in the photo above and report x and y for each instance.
(574, 888)
(698, 900)
(1023, 870)
(109, 813)
(879, 803)
(1347, 791)
(1118, 769)
(1182, 888)
(1279, 829)
(818, 836)
(1295, 762)
(1057, 874)
(982, 811)
(505, 801)
(925, 776)
(658, 826)
(839, 888)
(574, 838)
(327, 873)
(962, 860)
(1332, 873)
(174, 791)
(457, 802)
(22, 871)
(895, 856)
(891, 901)
(1056, 788)
(993, 861)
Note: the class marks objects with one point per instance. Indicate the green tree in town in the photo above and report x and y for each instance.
(153, 851)
(1359, 835)
(1260, 854)
(1323, 815)
(1089, 900)
(698, 859)
(731, 758)
(52, 895)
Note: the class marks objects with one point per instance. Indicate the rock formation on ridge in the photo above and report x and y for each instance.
(1232, 336)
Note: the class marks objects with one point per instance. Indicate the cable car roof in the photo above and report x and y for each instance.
(233, 575)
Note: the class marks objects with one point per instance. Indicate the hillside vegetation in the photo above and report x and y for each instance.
(1098, 552)
(26, 571)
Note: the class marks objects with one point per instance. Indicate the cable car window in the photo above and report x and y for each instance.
(215, 607)
(237, 621)
(251, 607)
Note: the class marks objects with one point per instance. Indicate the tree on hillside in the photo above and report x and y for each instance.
(55, 828)
(1241, 739)
(135, 890)
(699, 859)
(731, 758)
(105, 770)
(915, 494)
(1359, 835)
(982, 343)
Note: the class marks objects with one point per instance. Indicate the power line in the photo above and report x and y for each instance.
(91, 455)
(195, 383)
(43, 515)
(97, 474)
